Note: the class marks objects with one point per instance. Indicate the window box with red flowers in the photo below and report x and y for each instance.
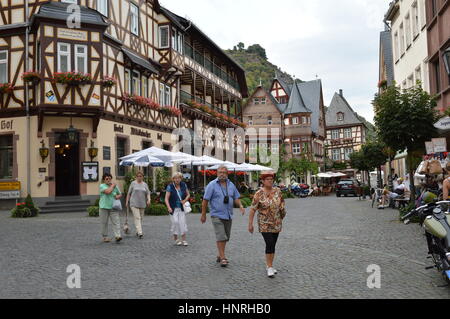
(6, 88)
(31, 77)
(170, 110)
(72, 78)
(140, 101)
(108, 82)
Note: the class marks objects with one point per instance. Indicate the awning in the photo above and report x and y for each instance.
(137, 60)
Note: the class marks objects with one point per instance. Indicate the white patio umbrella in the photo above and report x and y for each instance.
(324, 175)
(201, 161)
(143, 161)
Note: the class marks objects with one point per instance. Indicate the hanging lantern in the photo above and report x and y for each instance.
(72, 134)
(93, 151)
(43, 151)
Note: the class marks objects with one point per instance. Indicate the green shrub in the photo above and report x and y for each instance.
(246, 202)
(97, 202)
(287, 195)
(26, 209)
(157, 210)
(406, 210)
(93, 211)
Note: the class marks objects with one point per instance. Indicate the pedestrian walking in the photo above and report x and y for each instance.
(177, 195)
(269, 203)
(109, 193)
(138, 199)
(221, 195)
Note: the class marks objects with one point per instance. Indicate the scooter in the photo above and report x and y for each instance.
(300, 190)
(436, 223)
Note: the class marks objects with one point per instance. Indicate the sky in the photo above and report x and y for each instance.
(334, 40)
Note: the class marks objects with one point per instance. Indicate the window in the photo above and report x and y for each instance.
(402, 39)
(408, 30)
(348, 152)
(396, 46)
(296, 149)
(161, 94)
(3, 66)
(419, 74)
(106, 153)
(295, 121)
(167, 96)
(177, 40)
(64, 57)
(263, 100)
(340, 117)
(136, 83)
(437, 76)
(164, 37)
(286, 122)
(415, 14)
(6, 157)
(434, 7)
(336, 155)
(121, 144)
(134, 11)
(180, 42)
(335, 134)
(269, 120)
(102, 7)
(275, 148)
(145, 86)
(250, 120)
(348, 133)
(38, 57)
(81, 58)
(304, 120)
(256, 101)
(127, 81)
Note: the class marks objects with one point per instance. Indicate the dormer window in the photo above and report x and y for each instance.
(134, 12)
(340, 117)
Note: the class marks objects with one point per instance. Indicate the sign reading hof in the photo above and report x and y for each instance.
(89, 171)
(6, 125)
(443, 124)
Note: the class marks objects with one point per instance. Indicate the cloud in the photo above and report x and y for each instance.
(336, 40)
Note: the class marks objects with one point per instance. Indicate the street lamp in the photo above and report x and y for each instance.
(93, 151)
(43, 151)
(446, 57)
(72, 133)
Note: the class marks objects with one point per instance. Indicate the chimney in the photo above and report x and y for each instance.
(341, 93)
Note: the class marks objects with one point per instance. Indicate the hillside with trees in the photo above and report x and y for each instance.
(257, 66)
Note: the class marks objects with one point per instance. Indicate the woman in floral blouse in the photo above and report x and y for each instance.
(269, 202)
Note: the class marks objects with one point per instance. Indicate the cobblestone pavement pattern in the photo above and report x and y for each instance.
(324, 252)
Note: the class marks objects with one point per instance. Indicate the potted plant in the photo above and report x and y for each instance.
(72, 78)
(6, 88)
(108, 82)
(31, 77)
(25, 209)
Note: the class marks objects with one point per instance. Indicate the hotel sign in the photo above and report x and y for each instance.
(72, 34)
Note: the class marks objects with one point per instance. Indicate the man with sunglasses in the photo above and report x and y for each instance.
(221, 195)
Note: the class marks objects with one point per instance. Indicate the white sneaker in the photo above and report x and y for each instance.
(270, 272)
(274, 270)
(185, 243)
(178, 243)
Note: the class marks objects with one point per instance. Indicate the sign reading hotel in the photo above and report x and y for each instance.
(72, 34)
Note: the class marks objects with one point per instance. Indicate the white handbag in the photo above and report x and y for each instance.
(187, 206)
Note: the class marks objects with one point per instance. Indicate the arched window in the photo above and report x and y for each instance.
(340, 116)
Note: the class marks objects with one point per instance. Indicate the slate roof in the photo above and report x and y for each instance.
(337, 105)
(139, 61)
(386, 46)
(296, 103)
(312, 93)
(58, 11)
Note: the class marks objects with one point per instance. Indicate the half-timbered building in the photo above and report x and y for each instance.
(107, 78)
(346, 132)
(297, 112)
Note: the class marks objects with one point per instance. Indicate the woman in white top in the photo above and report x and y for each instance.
(138, 199)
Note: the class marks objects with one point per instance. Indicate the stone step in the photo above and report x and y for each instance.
(64, 209)
(70, 202)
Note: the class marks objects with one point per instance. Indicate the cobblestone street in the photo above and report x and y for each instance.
(324, 252)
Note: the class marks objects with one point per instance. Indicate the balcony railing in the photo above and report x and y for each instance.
(186, 97)
(209, 65)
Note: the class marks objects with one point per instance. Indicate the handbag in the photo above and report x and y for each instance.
(187, 206)
(117, 205)
(435, 168)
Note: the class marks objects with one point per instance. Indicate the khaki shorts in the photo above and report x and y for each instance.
(222, 228)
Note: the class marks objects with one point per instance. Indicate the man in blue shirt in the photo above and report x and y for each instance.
(221, 195)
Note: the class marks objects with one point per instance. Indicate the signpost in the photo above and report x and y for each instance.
(10, 190)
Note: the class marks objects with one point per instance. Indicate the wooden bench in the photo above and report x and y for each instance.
(326, 191)
(401, 202)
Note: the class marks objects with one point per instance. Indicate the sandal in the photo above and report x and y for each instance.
(106, 240)
(224, 263)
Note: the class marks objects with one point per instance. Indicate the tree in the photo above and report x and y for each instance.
(257, 49)
(359, 162)
(370, 157)
(405, 121)
(241, 46)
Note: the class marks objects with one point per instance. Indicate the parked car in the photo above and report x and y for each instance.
(346, 187)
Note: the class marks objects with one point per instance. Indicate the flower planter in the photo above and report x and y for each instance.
(108, 82)
(72, 78)
(6, 88)
(32, 78)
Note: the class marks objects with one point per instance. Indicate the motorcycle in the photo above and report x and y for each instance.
(436, 222)
(300, 190)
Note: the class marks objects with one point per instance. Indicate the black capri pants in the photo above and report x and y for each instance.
(271, 242)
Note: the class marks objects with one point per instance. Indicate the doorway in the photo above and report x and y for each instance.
(67, 165)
